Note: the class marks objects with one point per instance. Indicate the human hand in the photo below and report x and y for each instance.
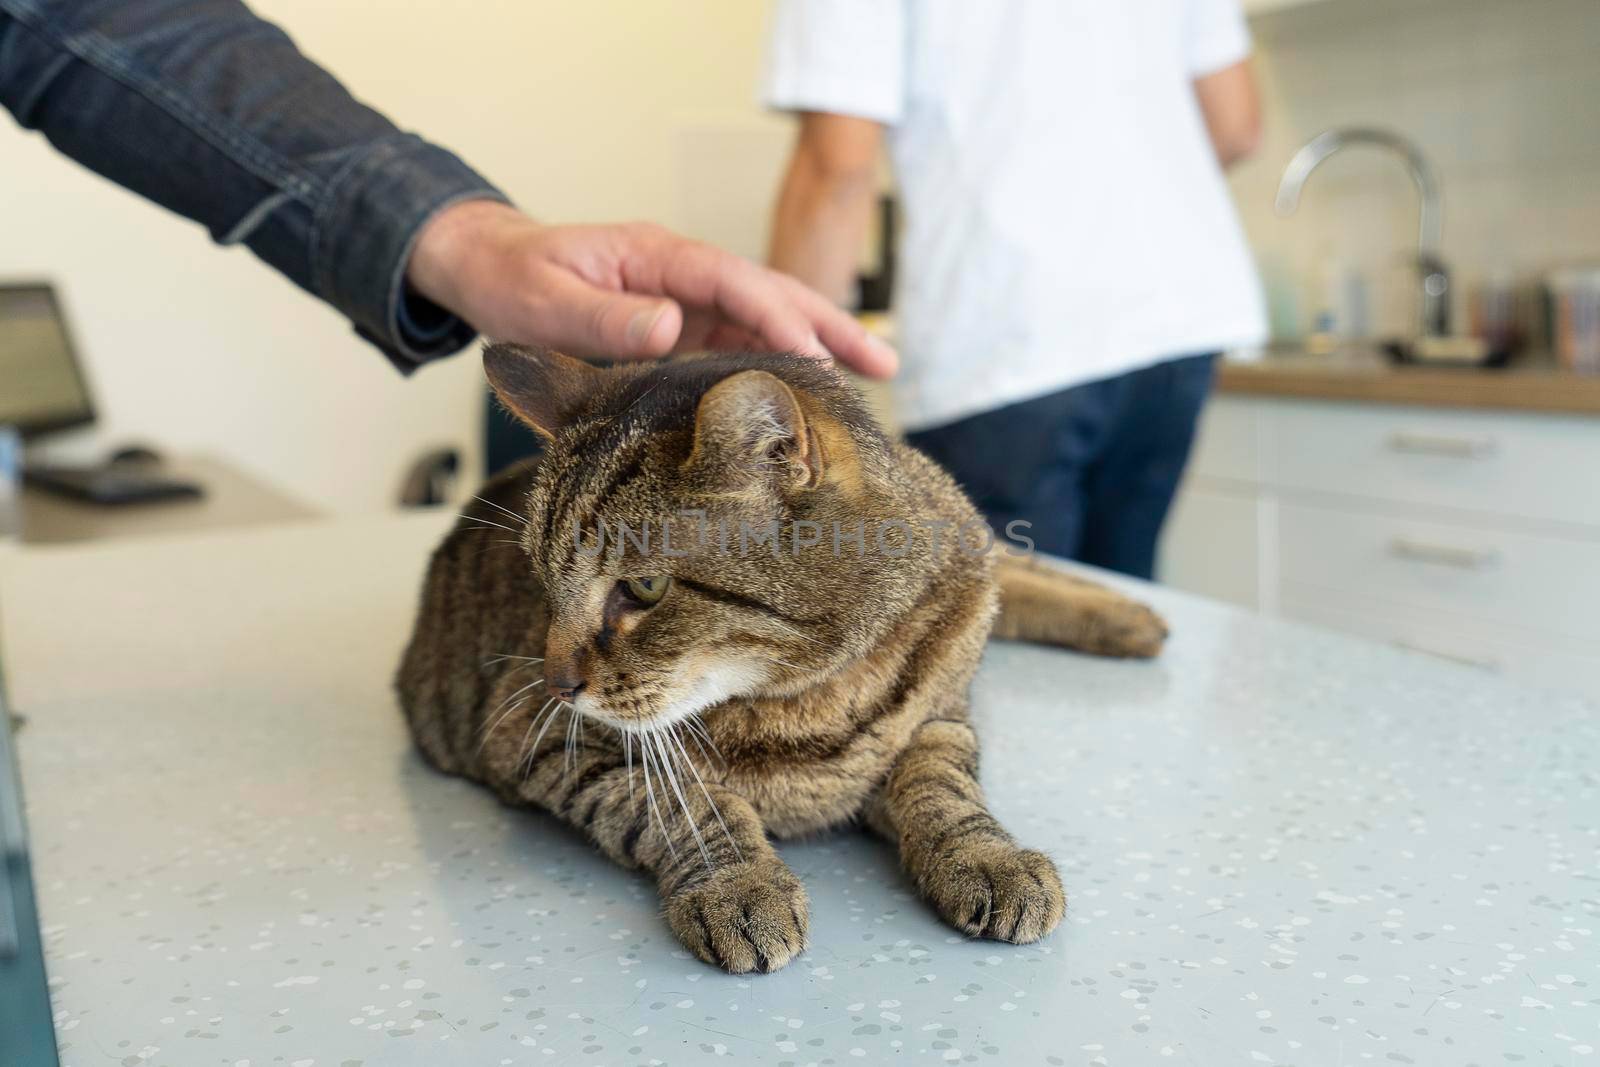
(634, 291)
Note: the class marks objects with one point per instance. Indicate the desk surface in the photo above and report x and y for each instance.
(232, 498)
(1281, 846)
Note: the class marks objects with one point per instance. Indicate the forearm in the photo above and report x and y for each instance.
(820, 224)
(209, 111)
(1231, 106)
(1232, 148)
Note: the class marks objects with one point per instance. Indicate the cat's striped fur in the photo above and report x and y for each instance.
(765, 694)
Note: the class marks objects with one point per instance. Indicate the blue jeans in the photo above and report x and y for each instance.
(1093, 468)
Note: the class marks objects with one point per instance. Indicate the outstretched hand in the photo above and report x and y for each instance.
(624, 291)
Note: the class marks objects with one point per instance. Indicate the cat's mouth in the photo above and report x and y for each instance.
(692, 695)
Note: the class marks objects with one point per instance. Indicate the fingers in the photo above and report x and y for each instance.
(582, 318)
(748, 296)
(849, 341)
(706, 331)
(641, 291)
(779, 311)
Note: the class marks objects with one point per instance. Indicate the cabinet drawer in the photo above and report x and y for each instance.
(1536, 583)
(1542, 467)
(1211, 545)
(1552, 665)
(1226, 443)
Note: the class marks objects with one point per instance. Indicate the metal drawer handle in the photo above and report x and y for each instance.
(1469, 559)
(1435, 445)
(1483, 664)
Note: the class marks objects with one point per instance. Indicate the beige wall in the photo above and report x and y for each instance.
(605, 109)
(1501, 95)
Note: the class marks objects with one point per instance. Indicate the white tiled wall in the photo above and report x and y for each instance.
(1502, 95)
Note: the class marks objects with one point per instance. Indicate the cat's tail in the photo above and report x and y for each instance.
(1048, 606)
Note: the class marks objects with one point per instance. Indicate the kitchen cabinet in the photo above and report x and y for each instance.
(1217, 547)
(1471, 535)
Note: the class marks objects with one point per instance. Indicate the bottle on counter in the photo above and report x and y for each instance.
(1342, 313)
(1495, 313)
(1575, 318)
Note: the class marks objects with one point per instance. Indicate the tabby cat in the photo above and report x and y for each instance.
(685, 689)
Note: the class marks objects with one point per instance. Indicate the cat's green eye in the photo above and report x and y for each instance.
(647, 590)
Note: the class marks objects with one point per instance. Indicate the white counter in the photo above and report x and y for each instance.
(1280, 845)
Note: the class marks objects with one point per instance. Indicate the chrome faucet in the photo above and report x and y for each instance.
(1434, 278)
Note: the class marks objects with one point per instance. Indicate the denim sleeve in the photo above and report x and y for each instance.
(213, 113)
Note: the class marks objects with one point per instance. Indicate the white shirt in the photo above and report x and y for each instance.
(1065, 215)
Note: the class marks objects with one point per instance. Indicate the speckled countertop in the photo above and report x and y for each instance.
(1281, 846)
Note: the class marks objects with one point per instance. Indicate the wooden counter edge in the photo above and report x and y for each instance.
(1491, 390)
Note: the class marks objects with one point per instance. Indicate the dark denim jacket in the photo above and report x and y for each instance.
(213, 113)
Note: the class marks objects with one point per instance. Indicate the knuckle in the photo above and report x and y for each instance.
(601, 323)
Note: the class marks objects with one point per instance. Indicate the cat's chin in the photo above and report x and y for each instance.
(722, 682)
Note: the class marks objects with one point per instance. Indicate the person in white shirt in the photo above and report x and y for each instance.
(1070, 263)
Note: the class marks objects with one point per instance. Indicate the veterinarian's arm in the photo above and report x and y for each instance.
(1217, 47)
(213, 113)
(634, 290)
(1232, 109)
(825, 205)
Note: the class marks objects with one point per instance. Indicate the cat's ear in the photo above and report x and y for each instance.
(541, 387)
(750, 425)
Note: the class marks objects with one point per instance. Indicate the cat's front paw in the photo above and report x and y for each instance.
(745, 917)
(995, 889)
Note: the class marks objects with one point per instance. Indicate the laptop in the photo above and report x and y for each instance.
(45, 391)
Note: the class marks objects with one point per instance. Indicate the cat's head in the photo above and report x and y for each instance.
(704, 528)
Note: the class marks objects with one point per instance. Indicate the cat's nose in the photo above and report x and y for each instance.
(564, 688)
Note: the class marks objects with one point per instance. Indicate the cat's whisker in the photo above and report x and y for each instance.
(627, 756)
(638, 398)
(490, 727)
(510, 706)
(715, 811)
(526, 756)
(699, 744)
(531, 685)
(488, 522)
(549, 717)
(644, 768)
(520, 518)
(532, 664)
(495, 541)
(702, 739)
(668, 764)
(696, 727)
(480, 530)
(572, 733)
(650, 799)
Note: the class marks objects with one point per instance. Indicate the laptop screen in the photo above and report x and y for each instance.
(41, 386)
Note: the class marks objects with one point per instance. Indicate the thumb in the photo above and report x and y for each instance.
(603, 322)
